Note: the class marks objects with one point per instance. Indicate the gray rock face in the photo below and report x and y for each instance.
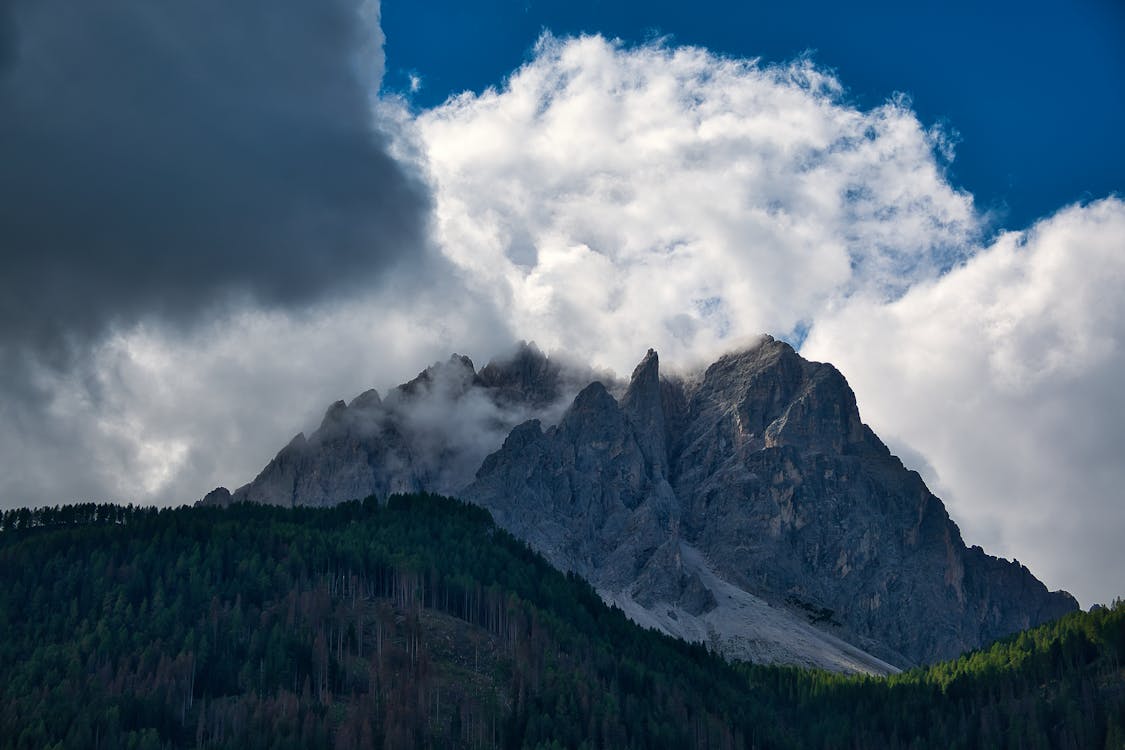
(217, 496)
(794, 498)
(747, 505)
(429, 434)
(763, 465)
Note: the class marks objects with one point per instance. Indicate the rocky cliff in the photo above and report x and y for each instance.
(747, 505)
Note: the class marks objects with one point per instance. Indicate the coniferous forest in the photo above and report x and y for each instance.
(417, 623)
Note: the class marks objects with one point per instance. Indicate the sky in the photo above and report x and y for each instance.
(216, 219)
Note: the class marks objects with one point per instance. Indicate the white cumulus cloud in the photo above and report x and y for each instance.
(1006, 376)
(615, 198)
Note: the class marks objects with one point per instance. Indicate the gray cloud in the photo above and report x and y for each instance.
(164, 157)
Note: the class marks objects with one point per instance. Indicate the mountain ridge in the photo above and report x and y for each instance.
(756, 473)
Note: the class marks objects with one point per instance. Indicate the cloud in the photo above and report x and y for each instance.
(607, 199)
(617, 198)
(159, 415)
(164, 158)
(453, 423)
(1006, 375)
(192, 195)
(604, 200)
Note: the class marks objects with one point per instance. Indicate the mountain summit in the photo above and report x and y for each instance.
(747, 505)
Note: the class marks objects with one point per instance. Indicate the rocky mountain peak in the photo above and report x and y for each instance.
(455, 375)
(525, 376)
(334, 416)
(367, 401)
(219, 496)
(643, 404)
(768, 396)
(644, 384)
(648, 369)
(748, 506)
(594, 398)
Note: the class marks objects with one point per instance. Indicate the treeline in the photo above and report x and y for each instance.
(418, 623)
(1061, 685)
(71, 515)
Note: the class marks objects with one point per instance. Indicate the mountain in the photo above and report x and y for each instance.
(417, 622)
(430, 434)
(746, 506)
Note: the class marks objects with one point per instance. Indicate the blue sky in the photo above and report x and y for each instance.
(1035, 89)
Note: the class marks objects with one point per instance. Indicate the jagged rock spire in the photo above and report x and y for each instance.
(643, 405)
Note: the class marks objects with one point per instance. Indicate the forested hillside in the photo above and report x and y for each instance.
(419, 623)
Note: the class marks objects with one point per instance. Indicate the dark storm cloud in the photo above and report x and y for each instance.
(158, 156)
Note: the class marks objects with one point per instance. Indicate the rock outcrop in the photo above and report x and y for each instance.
(429, 434)
(747, 505)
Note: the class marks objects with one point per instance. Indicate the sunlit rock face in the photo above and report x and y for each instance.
(746, 505)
